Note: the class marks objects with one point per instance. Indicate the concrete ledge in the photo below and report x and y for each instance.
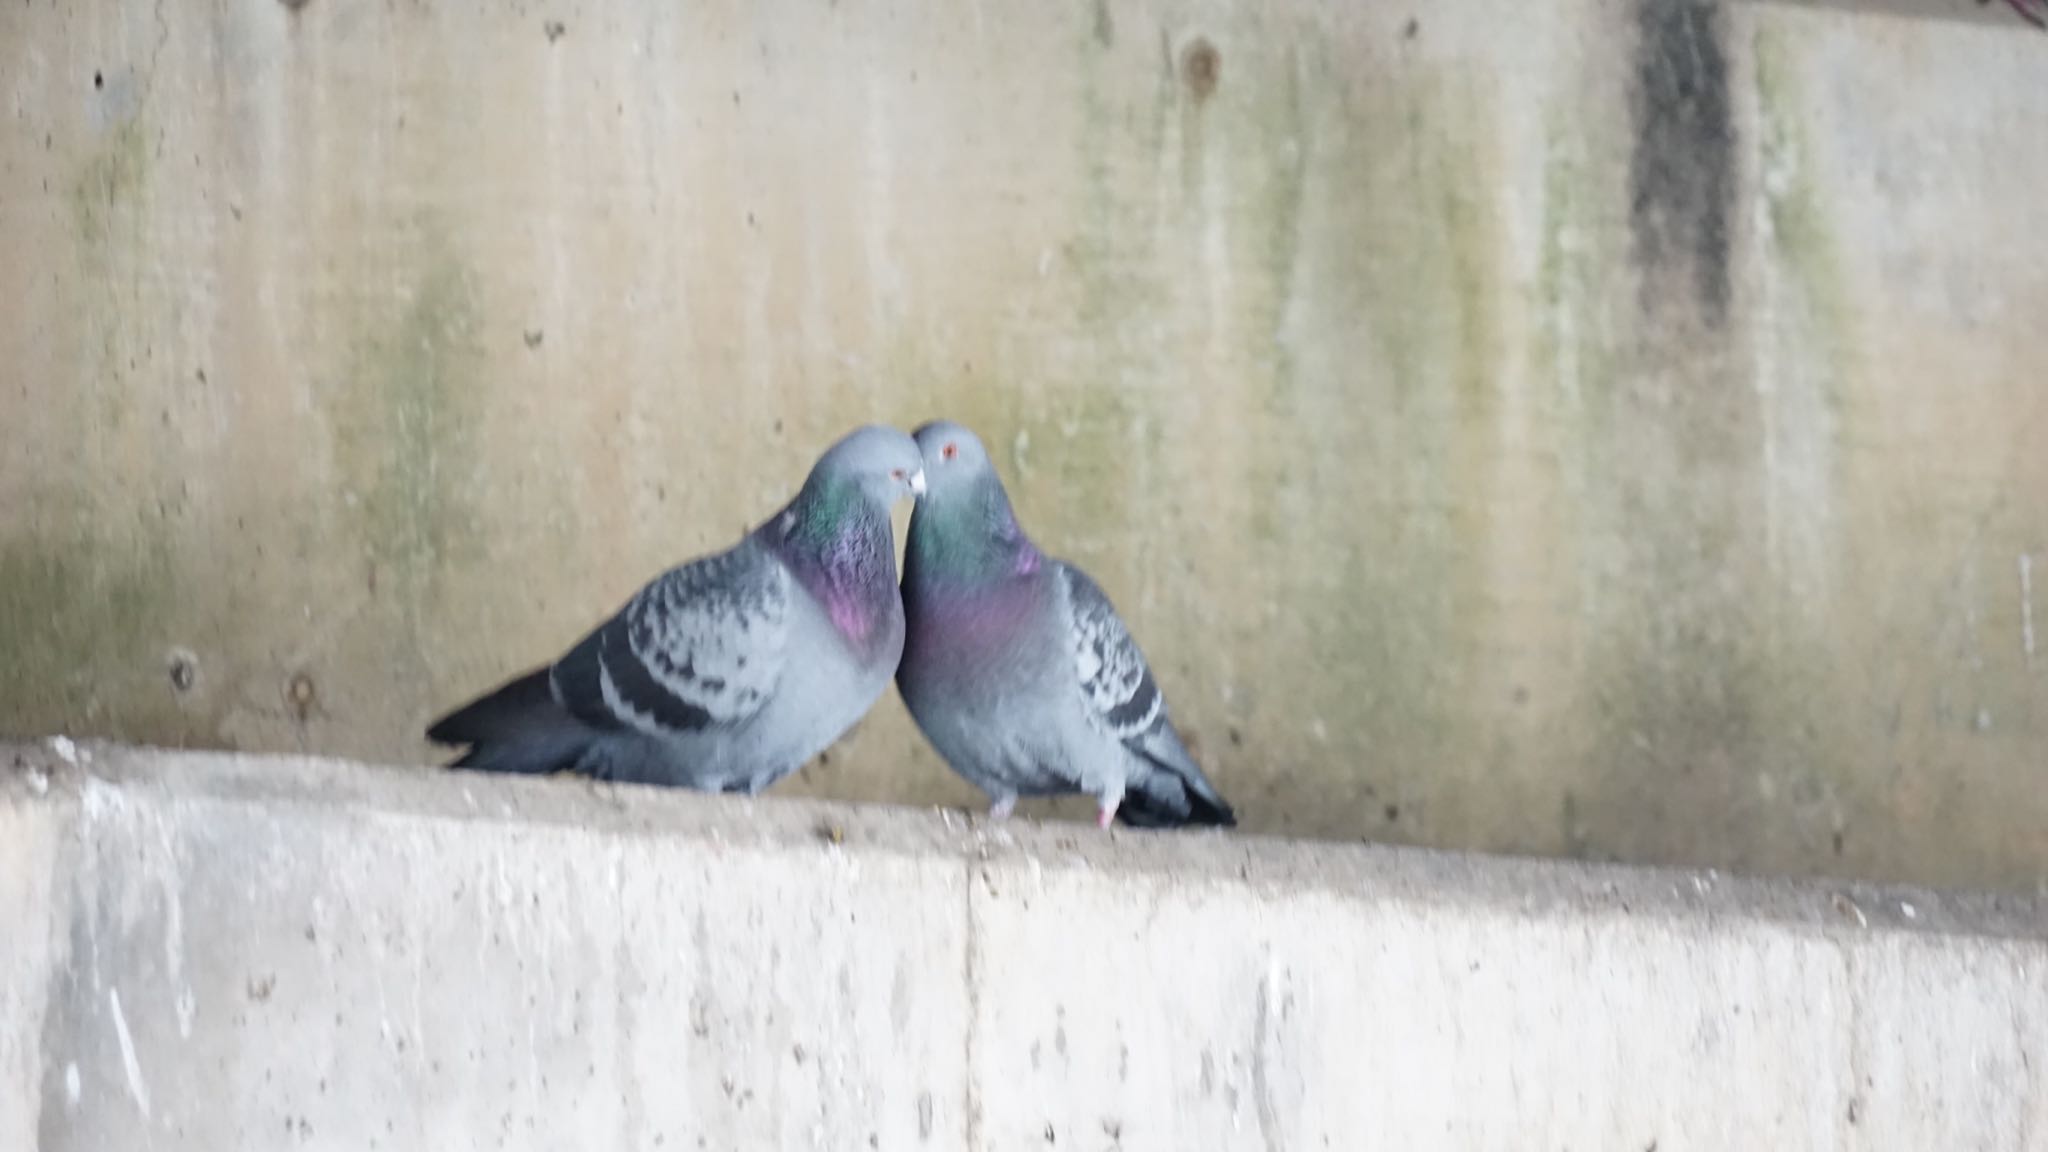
(215, 952)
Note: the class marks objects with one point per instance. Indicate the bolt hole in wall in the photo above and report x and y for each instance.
(1517, 414)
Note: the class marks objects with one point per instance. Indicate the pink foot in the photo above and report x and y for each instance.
(1106, 815)
(1000, 810)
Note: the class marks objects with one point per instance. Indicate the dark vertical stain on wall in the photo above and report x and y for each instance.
(1682, 170)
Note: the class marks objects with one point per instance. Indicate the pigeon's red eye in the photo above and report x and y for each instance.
(897, 473)
(949, 451)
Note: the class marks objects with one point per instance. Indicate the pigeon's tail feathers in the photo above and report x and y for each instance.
(1166, 799)
(535, 756)
(1207, 807)
(517, 728)
(519, 707)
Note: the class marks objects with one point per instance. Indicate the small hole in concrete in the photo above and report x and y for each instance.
(184, 670)
(98, 81)
(300, 695)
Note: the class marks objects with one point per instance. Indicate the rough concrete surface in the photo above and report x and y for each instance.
(1596, 428)
(236, 953)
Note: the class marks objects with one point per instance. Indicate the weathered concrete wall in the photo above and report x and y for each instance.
(225, 954)
(1577, 427)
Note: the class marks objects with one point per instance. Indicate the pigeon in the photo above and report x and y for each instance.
(1017, 668)
(730, 671)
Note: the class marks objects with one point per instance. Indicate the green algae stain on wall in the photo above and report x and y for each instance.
(1395, 392)
(1809, 323)
(90, 600)
(108, 184)
(85, 617)
(1705, 689)
(1575, 373)
(107, 200)
(1441, 348)
(403, 428)
(1812, 400)
(1083, 425)
(1800, 233)
(1276, 142)
(1576, 349)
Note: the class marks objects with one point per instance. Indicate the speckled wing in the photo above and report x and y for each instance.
(701, 647)
(1115, 680)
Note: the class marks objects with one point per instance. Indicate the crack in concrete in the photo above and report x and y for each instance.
(1262, 1087)
(971, 966)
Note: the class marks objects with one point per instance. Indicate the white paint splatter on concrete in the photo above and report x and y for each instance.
(129, 1064)
(73, 1088)
(174, 924)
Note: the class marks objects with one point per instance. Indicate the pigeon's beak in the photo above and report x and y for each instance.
(917, 482)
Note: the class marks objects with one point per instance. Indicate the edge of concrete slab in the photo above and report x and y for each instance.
(39, 774)
(1978, 12)
(994, 982)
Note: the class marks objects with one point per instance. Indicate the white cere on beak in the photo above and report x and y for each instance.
(917, 482)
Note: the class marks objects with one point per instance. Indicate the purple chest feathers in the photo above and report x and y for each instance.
(854, 613)
(982, 621)
(854, 579)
